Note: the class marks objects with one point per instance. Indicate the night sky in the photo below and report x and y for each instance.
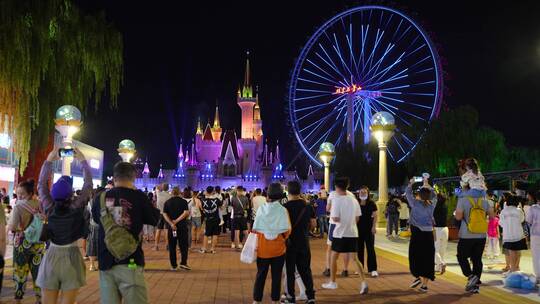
(180, 59)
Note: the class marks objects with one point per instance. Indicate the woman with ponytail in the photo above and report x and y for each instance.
(63, 267)
(422, 244)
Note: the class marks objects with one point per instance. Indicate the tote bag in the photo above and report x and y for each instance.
(249, 252)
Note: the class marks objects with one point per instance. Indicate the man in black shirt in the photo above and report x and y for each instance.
(298, 255)
(124, 280)
(210, 207)
(175, 212)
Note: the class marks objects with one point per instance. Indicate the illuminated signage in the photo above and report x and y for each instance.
(349, 89)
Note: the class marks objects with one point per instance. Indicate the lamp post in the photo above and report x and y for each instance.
(126, 150)
(327, 151)
(68, 122)
(382, 127)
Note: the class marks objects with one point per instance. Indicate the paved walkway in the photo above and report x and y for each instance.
(221, 278)
(492, 275)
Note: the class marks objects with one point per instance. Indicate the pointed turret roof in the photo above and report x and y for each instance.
(193, 159)
(229, 158)
(247, 89)
(146, 169)
(207, 133)
(277, 158)
(181, 150)
(160, 174)
(216, 118)
(229, 138)
(310, 170)
(265, 155)
(199, 127)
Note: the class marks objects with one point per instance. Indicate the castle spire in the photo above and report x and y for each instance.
(247, 89)
(180, 151)
(199, 127)
(246, 76)
(257, 108)
(216, 117)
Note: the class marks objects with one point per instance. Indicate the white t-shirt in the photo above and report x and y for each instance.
(345, 207)
(257, 201)
(330, 201)
(162, 197)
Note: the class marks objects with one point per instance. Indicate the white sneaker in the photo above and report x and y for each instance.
(363, 288)
(240, 246)
(374, 274)
(302, 297)
(232, 246)
(329, 285)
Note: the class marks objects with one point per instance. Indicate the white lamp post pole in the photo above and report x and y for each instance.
(67, 122)
(327, 153)
(382, 127)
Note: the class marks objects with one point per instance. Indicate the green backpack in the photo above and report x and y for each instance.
(119, 241)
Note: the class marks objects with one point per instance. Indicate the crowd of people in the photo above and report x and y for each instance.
(47, 225)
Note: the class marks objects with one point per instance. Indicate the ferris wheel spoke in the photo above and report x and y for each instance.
(383, 72)
(320, 69)
(423, 71)
(420, 61)
(309, 97)
(332, 64)
(403, 34)
(322, 77)
(350, 43)
(377, 65)
(315, 91)
(323, 137)
(338, 52)
(399, 144)
(388, 90)
(377, 40)
(311, 125)
(312, 81)
(397, 30)
(407, 102)
(394, 77)
(392, 110)
(363, 35)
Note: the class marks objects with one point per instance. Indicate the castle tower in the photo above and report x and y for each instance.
(257, 122)
(181, 160)
(246, 102)
(216, 128)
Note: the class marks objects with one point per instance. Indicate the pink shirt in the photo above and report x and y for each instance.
(493, 227)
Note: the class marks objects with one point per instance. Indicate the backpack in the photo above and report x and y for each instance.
(477, 222)
(119, 241)
(33, 232)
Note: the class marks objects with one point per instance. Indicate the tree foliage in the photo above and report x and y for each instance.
(455, 135)
(52, 54)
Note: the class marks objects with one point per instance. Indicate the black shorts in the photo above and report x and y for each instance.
(239, 223)
(162, 223)
(516, 246)
(212, 228)
(346, 244)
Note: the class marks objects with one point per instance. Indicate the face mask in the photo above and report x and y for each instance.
(363, 197)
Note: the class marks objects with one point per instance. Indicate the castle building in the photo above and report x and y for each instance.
(221, 157)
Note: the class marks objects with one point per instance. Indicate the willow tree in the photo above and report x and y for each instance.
(52, 54)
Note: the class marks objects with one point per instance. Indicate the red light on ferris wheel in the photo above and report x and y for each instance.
(349, 89)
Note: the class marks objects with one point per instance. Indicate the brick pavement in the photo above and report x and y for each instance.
(221, 278)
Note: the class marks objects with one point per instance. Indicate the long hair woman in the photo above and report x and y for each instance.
(422, 244)
(26, 255)
(62, 268)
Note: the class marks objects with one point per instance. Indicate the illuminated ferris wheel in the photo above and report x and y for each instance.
(362, 61)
